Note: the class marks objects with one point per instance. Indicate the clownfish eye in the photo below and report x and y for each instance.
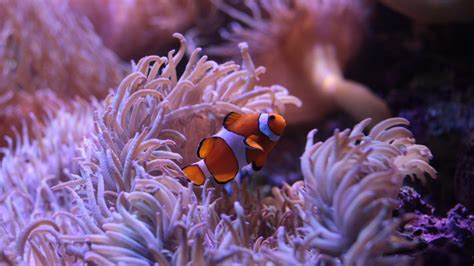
(272, 117)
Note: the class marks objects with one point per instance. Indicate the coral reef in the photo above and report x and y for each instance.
(442, 240)
(412, 202)
(305, 46)
(457, 227)
(449, 240)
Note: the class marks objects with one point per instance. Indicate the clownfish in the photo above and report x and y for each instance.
(244, 139)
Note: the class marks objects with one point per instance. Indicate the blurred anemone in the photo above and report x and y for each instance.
(16, 106)
(305, 46)
(149, 23)
(45, 46)
(352, 181)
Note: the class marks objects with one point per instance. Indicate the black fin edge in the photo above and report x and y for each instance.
(189, 180)
(226, 118)
(223, 183)
(255, 167)
(258, 124)
(199, 148)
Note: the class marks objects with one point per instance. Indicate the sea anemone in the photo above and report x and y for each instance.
(305, 46)
(161, 220)
(352, 181)
(103, 182)
(127, 188)
(31, 164)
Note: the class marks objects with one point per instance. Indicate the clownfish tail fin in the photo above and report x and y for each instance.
(205, 147)
(194, 174)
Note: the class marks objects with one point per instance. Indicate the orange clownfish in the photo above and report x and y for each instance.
(244, 139)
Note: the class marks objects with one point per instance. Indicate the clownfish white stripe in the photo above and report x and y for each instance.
(265, 129)
(202, 165)
(235, 142)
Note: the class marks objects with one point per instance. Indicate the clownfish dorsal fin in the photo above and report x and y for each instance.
(205, 147)
(252, 142)
(231, 118)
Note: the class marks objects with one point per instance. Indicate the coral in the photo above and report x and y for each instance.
(411, 202)
(442, 240)
(458, 227)
(352, 181)
(148, 23)
(449, 240)
(305, 45)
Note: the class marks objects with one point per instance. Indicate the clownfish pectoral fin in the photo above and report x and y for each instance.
(194, 174)
(224, 178)
(259, 162)
(230, 118)
(205, 147)
(255, 167)
(252, 143)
